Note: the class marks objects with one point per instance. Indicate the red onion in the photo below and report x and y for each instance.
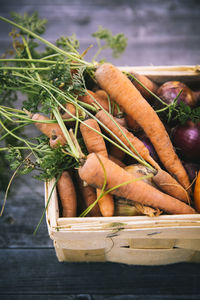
(192, 169)
(146, 141)
(169, 90)
(186, 140)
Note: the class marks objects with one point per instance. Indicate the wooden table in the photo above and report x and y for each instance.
(159, 33)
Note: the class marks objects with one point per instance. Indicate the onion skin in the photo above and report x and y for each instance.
(186, 140)
(191, 169)
(146, 141)
(169, 90)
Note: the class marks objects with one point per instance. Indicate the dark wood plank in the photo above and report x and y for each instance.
(37, 272)
(99, 297)
(159, 32)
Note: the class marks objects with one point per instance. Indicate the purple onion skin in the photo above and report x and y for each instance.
(169, 90)
(191, 169)
(146, 141)
(186, 140)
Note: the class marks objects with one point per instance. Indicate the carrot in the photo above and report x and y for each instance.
(164, 180)
(169, 185)
(67, 193)
(89, 99)
(147, 82)
(56, 141)
(101, 98)
(138, 191)
(197, 192)
(51, 130)
(89, 195)
(116, 152)
(131, 123)
(116, 161)
(134, 141)
(120, 88)
(95, 143)
(71, 108)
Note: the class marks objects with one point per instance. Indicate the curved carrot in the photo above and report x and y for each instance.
(120, 88)
(67, 194)
(134, 141)
(147, 82)
(139, 191)
(197, 193)
(52, 130)
(95, 143)
(169, 185)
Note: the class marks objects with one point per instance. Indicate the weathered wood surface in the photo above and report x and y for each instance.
(36, 272)
(159, 33)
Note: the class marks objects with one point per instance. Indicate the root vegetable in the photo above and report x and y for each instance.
(92, 172)
(96, 144)
(119, 87)
(67, 193)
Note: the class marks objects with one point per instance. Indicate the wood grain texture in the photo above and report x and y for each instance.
(39, 273)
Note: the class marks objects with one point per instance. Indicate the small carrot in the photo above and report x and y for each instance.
(96, 144)
(197, 193)
(147, 82)
(67, 194)
(93, 141)
(138, 191)
(120, 88)
(89, 196)
(51, 130)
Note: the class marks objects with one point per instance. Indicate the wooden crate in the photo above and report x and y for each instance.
(137, 240)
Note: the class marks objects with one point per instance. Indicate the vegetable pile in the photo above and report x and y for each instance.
(116, 142)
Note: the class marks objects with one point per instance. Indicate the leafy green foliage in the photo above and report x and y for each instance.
(31, 22)
(185, 113)
(53, 163)
(116, 42)
(68, 43)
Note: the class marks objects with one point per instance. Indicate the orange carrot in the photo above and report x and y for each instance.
(116, 152)
(116, 161)
(89, 196)
(52, 130)
(169, 185)
(120, 88)
(131, 123)
(138, 191)
(67, 194)
(95, 143)
(101, 98)
(197, 193)
(134, 141)
(147, 82)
